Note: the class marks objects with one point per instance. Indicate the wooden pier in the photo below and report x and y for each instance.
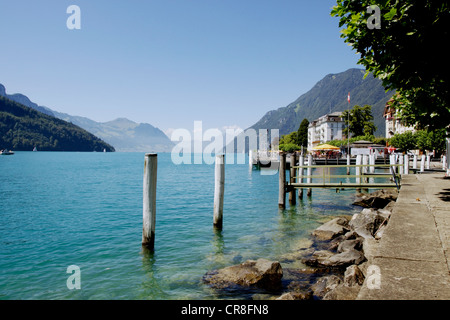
(365, 176)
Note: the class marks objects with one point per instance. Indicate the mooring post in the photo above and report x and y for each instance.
(358, 170)
(301, 162)
(282, 182)
(309, 173)
(219, 191)
(392, 162)
(406, 169)
(348, 164)
(422, 163)
(372, 160)
(292, 170)
(250, 159)
(149, 205)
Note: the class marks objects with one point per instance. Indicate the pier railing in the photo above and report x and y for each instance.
(364, 176)
(358, 180)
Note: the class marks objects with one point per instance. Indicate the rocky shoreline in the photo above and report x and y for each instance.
(335, 261)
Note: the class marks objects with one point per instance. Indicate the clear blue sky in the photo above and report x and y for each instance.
(170, 62)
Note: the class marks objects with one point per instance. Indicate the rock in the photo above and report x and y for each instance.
(261, 273)
(366, 223)
(346, 258)
(353, 276)
(378, 199)
(327, 259)
(370, 248)
(346, 245)
(331, 229)
(296, 296)
(343, 292)
(325, 285)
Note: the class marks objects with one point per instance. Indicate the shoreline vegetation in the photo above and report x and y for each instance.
(332, 264)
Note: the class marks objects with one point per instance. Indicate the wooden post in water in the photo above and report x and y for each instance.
(149, 205)
(250, 159)
(392, 162)
(293, 160)
(372, 159)
(219, 188)
(301, 162)
(358, 171)
(282, 182)
(309, 173)
(348, 163)
(365, 162)
(406, 169)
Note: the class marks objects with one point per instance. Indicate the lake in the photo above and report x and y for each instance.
(85, 209)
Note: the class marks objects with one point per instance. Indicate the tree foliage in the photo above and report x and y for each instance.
(288, 143)
(302, 133)
(360, 121)
(408, 53)
(22, 129)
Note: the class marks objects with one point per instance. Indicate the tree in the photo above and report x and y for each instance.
(404, 141)
(302, 133)
(288, 143)
(407, 51)
(361, 121)
(431, 140)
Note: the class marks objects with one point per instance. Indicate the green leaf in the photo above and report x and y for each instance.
(391, 14)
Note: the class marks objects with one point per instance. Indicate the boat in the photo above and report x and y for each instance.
(6, 152)
(34, 149)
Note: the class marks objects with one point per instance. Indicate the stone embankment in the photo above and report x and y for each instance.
(337, 261)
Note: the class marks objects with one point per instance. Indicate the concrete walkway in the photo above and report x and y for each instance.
(413, 255)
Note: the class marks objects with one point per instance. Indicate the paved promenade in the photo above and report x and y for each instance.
(413, 255)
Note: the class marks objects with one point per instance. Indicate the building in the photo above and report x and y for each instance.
(393, 124)
(326, 128)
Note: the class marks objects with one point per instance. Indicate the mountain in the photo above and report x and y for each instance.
(23, 128)
(330, 95)
(125, 135)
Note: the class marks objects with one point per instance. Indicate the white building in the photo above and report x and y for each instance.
(393, 124)
(326, 128)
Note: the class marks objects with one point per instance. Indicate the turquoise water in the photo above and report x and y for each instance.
(85, 209)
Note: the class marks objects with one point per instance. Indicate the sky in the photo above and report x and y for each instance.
(170, 62)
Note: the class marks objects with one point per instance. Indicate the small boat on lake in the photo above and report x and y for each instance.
(6, 152)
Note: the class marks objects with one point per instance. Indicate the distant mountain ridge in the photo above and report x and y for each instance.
(330, 95)
(125, 135)
(23, 129)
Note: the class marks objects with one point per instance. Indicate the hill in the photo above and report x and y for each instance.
(23, 128)
(125, 135)
(330, 95)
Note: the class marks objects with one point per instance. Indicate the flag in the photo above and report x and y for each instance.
(348, 97)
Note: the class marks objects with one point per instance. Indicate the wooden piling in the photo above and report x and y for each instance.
(309, 173)
(422, 163)
(292, 195)
(219, 191)
(149, 203)
(282, 182)
(301, 162)
(406, 169)
(348, 163)
(358, 171)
